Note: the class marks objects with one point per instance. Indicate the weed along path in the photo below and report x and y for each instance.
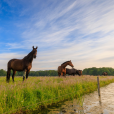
(38, 93)
(87, 104)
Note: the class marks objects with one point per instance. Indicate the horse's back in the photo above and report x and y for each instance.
(14, 63)
(10, 61)
(70, 71)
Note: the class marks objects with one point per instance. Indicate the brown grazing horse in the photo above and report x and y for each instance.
(24, 64)
(62, 69)
(105, 73)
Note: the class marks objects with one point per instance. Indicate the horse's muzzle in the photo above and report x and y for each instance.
(34, 56)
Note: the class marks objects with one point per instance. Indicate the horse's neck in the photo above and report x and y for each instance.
(64, 65)
(28, 58)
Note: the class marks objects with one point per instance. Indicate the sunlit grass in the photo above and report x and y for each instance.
(43, 91)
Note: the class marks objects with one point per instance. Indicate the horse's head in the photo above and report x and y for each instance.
(34, 51)
(70, 63)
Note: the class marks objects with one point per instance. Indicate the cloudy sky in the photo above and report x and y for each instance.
(78, 30)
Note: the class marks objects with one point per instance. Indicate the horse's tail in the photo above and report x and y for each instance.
(8, 72)
(59, 72)
(7, 77)
(58, 69)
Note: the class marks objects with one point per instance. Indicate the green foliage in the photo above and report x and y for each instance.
(32, 73)
(2, 72)
(98, 71)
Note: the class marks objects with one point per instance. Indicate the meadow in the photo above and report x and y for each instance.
(39, 92)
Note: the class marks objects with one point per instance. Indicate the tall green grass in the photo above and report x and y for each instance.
(43, 91)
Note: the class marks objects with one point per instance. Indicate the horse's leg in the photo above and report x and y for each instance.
(8, 75)
(27, 73)
(14, 72)
(64, 74)
(59, 74)
(24, 74)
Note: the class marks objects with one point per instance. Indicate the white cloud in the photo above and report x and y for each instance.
(80, 31)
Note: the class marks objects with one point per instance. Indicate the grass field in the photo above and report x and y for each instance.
(42, 91)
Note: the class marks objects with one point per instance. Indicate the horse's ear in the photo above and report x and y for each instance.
(33, 47)
(36, 47)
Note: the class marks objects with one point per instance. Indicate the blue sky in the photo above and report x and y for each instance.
(78, 30)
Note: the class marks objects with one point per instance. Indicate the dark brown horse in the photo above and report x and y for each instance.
(24, 64)
(105, 73)
(79, 72)
(71, 71)
(62, 69)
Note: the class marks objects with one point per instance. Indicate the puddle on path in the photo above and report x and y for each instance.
(89, 105)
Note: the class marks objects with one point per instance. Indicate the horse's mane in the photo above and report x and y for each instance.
(65, 62)
(28, 56)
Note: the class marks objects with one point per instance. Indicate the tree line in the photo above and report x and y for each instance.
(87, 71)
(32, 73)
(98, 71)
